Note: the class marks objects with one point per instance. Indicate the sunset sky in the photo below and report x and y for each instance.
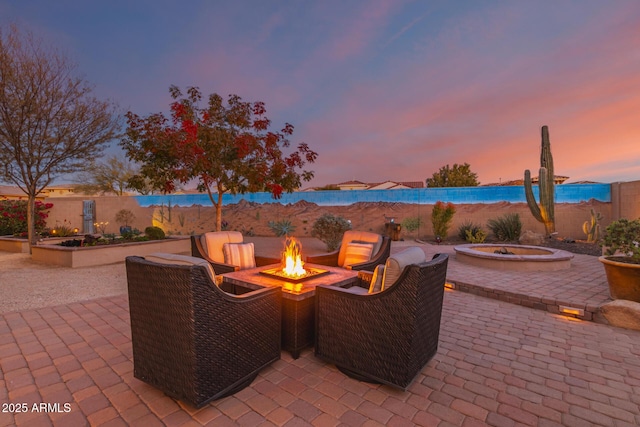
(382, 90)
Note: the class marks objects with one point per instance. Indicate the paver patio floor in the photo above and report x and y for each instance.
(498, 363)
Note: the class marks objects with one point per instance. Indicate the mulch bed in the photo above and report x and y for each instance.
(574, 246)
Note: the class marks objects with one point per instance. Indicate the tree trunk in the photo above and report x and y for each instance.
(218, 206)
(31, 221)
(219, 212)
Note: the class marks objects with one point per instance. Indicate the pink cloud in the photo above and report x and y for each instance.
(444, 115)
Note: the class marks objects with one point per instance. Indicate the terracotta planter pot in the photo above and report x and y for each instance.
(623, 278)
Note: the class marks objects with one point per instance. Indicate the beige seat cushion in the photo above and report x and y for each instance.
(239, 254)
(360, 237)
(174, 259)
(212, 243)
(396, 263)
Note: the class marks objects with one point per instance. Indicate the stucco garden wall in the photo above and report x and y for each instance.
(625, 199)
(184, 218)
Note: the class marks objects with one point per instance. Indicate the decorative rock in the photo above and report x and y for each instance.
(531, 238)
(622, 313)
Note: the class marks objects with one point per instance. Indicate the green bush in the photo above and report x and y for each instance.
(441, 217)
(623, 236)
(282, 228)
(411, 224)
(154, 233)
(329, 229)
(506, 228)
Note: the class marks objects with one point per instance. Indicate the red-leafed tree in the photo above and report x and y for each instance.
(228, 148)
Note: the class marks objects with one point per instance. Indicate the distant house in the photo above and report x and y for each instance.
(386, 185)
(392, 185)
(557, 179)
(59, 191)
(14, 193)
(353, 185)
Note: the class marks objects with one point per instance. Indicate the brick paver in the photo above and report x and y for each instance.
(499, 363)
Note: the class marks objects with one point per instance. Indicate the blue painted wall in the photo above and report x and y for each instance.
(566, 193)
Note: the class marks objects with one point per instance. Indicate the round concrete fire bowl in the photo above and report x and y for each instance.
(514, 257)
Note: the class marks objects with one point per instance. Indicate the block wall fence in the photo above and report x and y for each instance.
(476, 204)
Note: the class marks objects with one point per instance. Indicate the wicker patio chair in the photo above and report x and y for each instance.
(388, 336)
(191, 339)
(209, 246)
(355, 240)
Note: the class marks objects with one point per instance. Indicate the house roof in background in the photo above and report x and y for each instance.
(385, 185)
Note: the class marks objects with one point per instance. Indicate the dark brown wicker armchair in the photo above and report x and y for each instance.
(381, 251)
(191, 339)
(384, 337)
(214, 254)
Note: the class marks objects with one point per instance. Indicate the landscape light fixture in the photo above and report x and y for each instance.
(571, 310)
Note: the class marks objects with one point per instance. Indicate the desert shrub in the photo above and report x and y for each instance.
(13, 217)
(154, 233)
(477, 237)
(469, 230)
(506, 228)
(64, 229)
(281, 228)
(441, 217)
(329, 229)
(468, 226)
(411, 224)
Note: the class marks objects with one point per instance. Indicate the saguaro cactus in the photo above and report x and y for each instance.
(592, 227)
(543, 212)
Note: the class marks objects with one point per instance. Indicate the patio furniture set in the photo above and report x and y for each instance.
(204, 326)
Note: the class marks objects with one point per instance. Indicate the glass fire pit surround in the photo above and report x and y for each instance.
(310, 273)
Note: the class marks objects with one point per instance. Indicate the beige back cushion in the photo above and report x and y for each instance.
(359, 236)
(173, 259)
(357, 253)
(239, 254)
(212, 243)
(376, 280)
(396, 263)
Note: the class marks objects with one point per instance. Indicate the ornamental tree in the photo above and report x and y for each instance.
(456, 176)
(226, 147)
(109, 176)
(50, 124)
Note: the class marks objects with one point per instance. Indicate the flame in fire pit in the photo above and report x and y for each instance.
(292, 265)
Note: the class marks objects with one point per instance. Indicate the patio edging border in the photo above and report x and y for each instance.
(591, 313)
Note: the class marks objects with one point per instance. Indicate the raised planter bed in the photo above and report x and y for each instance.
(89, 256)
(12, 244)
(20, 245)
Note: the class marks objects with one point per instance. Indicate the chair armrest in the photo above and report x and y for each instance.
(330, 259)
(367, 265)
(263, 260)
(222, 268)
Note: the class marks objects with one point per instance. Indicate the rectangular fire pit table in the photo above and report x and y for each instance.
(298, 299)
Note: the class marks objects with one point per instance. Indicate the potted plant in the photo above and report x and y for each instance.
(622, 259)
(124, 217)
